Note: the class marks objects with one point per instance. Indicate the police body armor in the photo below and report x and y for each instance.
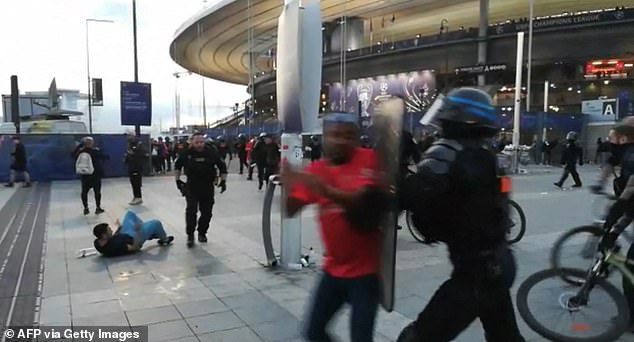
(462, 178)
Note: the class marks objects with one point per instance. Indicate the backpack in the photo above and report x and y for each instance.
(83, 164)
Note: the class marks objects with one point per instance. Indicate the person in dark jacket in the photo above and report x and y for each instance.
(409, 152)
(18, 164)
(223, 148)
(259, 156)
(203, 168)
(92, 181)
(134, 159)
(272, 158)
(569, 158)
(241, 151)
(315, 148)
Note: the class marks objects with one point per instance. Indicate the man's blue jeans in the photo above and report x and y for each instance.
(362, 293)
(152, 229)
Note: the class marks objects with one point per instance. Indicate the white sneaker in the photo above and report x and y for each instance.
(136, 201)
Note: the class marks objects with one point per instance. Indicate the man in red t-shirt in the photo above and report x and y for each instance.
(351, 203)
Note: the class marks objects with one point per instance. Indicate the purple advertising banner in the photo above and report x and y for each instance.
(417, 88)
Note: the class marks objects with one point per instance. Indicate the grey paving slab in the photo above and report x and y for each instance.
(89, 309)
(167, 331)
(214, 322)
(102, 319)
(231, 288)
(201, 307)
(188, 295)
(144, 302)
(278, 331)
(263, 314)
(153, 315)
(410, 306)
(241, 334)
(186, 339)
(249, 299)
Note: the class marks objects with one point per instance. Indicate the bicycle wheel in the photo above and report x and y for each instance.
(575, 249)
(551, 313)
(410, 225)
(517, 228)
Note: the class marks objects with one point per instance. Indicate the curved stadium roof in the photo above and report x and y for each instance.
(214, 42)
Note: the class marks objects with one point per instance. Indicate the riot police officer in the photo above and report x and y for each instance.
(456, 198)
(241, 151)
(571, 155)
(202, 165)
(223, 148)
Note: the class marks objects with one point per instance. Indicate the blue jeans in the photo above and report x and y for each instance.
(152, 229)
(362, 293)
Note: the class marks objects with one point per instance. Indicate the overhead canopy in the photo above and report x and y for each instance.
(214, 42)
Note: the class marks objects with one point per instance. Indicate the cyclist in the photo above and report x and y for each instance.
(617, 146)
(623, 209)
(456, 198)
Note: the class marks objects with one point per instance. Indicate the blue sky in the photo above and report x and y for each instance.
(43, 39)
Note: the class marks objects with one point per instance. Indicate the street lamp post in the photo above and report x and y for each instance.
(530, 55)
(88, 69)
(137, 128)
(444, 31)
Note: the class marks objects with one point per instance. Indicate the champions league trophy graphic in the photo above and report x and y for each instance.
(364, 95)
(383, 88)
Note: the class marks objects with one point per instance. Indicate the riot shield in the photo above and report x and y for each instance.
(386, 131)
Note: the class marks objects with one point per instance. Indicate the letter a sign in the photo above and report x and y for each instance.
(609, 107)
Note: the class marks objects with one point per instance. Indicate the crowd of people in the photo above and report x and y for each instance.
(455, 197)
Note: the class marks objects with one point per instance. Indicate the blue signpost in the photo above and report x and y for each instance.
(136, 104)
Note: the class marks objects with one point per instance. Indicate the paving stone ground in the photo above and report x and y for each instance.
(221, 291)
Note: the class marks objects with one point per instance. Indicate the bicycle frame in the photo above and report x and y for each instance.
(610, 258)
(620, 262)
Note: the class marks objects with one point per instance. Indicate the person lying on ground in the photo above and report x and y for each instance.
(129, 236)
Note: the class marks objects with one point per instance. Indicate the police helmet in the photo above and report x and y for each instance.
(571, 136)
(220, 138)
(467, 106)
(264, 135)
(242, 136)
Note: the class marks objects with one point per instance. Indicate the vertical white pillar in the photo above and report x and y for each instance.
(291, 242)
(518, 99)
(530, 55)
(546, 90)
(483, 34)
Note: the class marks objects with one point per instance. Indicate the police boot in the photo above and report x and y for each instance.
(202, 237)
(408, 334)
(190, 240)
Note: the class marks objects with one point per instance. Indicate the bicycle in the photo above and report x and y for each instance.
(516, 226)
(588, 237)
(575, 302)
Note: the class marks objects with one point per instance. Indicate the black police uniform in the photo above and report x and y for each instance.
(258, 154)
(409, 152)
(241, 151)
(456, 198)
(272, 160)
(201, 169)
(571, 155)
(135, 160)
(315, 150)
